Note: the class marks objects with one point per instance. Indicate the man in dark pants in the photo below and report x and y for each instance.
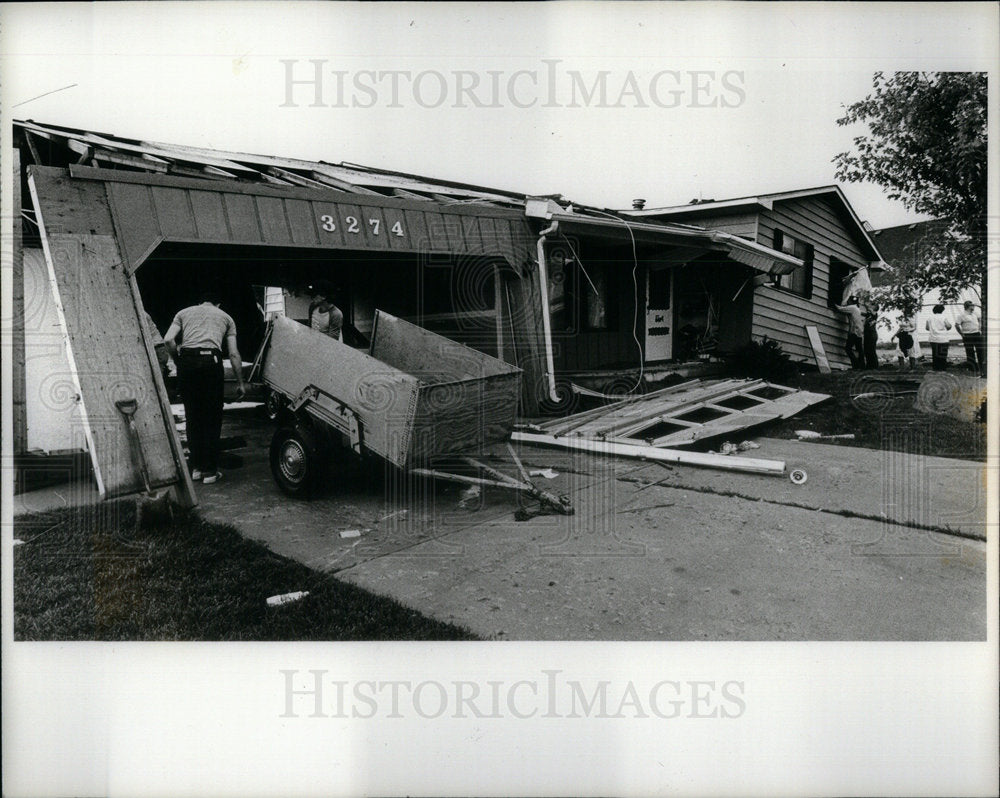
(855, 332)
(870, 337)
(201, 330)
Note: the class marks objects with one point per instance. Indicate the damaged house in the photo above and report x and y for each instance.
(716, 309)
(111, 228)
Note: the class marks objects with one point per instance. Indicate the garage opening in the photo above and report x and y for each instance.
(462, 297)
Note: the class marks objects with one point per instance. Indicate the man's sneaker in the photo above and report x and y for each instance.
(210, 478)
(196, 474)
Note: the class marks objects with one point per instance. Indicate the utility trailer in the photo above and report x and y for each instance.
(414, 399)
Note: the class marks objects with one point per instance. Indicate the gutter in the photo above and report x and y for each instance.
(543, 280)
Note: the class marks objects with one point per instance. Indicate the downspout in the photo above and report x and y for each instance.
(543, 279)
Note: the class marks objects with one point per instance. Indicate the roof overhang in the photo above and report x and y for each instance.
(749, 253)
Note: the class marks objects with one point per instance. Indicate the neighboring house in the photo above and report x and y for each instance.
(900, 245)
(817, 226)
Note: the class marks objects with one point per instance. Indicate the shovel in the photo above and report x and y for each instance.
(155, 505)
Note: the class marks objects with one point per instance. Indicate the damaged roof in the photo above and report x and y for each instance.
(766, 201)
(57, 145)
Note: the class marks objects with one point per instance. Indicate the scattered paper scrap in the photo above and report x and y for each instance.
(18, 542)
(548, 473)
(286, 598)
(397, 514)
(353, 533)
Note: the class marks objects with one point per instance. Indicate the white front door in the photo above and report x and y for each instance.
(659, 314)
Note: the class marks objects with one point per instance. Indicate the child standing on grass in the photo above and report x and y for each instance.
(905, 344)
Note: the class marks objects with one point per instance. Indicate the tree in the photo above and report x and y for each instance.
(927, 146)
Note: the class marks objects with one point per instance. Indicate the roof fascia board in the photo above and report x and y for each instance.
(762, 202)
(290, 192)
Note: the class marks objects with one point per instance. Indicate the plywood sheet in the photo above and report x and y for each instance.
(108, 360)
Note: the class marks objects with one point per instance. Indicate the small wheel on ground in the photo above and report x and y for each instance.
(275, 404)
(296, 461)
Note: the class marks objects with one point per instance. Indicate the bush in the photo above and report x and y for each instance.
(762, 360)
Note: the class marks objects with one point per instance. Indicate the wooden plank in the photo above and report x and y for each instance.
(104, 337)
(817, 346)
(18, 384)
(652, 453)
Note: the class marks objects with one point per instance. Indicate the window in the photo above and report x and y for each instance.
(799, 281)
(840, 273)
(585, 294)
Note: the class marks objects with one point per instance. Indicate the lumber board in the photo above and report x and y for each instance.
(652, 453)
(817, 347)
(107, 360)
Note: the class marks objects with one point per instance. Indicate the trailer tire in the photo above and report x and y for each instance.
(296, 461)
(275, 405)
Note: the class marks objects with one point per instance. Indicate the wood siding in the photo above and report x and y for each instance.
(739, 224)
(782, 315)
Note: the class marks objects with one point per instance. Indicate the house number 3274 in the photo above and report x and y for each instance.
(353, 225)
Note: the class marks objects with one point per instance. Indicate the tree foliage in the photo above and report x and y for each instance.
(927, 146)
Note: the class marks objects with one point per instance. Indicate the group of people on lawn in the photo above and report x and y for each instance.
(862, 337)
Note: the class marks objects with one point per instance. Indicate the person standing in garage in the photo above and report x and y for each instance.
(324, 316)
(195, 339)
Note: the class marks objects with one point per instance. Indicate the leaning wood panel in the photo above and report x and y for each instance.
(107, 354)
(73, 206)
(383, 398)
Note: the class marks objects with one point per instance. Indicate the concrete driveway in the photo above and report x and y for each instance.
(859, 552)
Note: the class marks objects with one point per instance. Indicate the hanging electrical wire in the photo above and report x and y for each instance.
(635, 295)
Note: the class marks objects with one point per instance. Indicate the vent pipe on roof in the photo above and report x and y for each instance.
(638, 204)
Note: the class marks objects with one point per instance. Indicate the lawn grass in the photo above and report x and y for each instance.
(888, 420)
(90, 574)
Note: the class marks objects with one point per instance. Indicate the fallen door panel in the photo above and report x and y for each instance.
(108, 361)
